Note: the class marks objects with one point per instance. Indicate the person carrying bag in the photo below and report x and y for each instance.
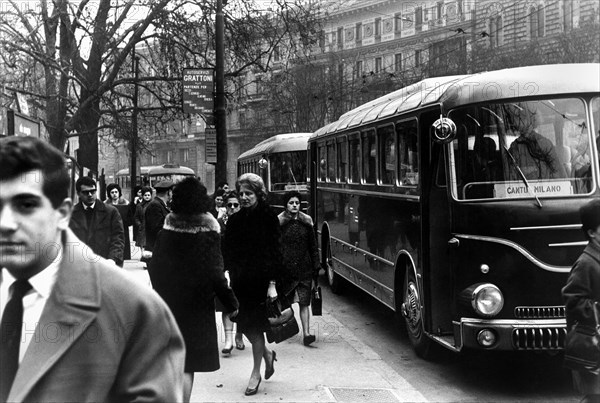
(581, 294)
(283, 324)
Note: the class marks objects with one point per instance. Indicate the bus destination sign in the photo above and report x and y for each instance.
(198, 91)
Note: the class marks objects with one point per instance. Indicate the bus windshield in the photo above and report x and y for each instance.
(522, 150)
(288, 170)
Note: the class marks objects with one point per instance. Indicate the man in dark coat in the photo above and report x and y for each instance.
(97, 224)
(156, 212)
(582, 292)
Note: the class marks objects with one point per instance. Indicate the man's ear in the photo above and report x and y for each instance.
(64, 213)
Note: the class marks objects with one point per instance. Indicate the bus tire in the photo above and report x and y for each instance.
(413, 317)
(333, 279)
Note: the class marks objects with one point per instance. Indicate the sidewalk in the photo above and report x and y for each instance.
(336, 368)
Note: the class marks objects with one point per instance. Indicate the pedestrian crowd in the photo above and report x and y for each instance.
(228, 252)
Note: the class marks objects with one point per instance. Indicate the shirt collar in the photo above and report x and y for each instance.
(43, 282)
(85, 206)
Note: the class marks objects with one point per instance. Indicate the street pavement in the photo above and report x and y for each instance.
(337, 367)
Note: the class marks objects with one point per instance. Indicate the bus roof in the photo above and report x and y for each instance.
(159, 169)
(279, 143)
(453, 91)
(170, 169)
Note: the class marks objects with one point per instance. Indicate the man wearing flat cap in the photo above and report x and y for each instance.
(156, 212)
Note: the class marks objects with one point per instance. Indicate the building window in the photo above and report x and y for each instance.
(571, 12)
(359, 68)
(398, 62)
(398, 22)
(169, 156)
(418, 17)
(377, 27)
(536, 22)
(340, 37)
(378, 65)
(359, 31)
(496, 34)
(276, 54)
(184, 155)
(417, 58)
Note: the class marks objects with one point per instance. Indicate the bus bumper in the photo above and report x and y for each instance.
(522, 335)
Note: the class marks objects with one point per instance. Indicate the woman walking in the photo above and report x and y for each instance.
(582, 293)
(139, 217)
(232, 205)
(187, 272)
(300, 258)
(253, 258)
(115, 197)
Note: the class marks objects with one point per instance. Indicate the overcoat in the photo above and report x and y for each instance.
(580, 293)
(101, 337)
(105, 234)
(252, 255)
(299, 249)
(154, 220)
(186, 270)
(125, 211)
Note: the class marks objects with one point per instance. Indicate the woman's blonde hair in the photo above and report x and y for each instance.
(255, 183)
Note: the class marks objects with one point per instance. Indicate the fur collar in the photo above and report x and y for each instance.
(191, 224)
(285, 217)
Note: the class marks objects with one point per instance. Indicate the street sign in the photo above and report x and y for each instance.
(198, 91)
(211, 145)
(21, 125)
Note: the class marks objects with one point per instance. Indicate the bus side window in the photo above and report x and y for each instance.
(368, 153)
(342, 159)
(331, 166)
(387, 153)
(409, 161)
(322, 162)
(354, 159)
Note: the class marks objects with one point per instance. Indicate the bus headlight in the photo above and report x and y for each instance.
(486, 299)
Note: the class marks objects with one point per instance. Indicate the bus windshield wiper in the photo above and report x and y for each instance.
(522, 176)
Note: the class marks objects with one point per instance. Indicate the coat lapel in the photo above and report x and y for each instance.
(72, 306)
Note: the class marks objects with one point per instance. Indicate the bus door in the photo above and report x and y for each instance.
(437, 249)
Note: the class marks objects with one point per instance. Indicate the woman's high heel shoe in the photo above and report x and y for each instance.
(227, 350)
(252, 391)
(270, 369)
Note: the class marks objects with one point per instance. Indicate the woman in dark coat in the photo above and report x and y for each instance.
(583, 291)
(187, 272)
(253, 258)
(116, 199)
(139, 217)
(300, 257)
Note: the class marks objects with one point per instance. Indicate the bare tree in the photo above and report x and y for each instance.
(73, 58)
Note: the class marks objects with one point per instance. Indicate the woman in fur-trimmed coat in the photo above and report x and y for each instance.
(186, 270)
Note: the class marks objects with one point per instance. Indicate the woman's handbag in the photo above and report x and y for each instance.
(582, 347)
(316, 302)
(282, 321)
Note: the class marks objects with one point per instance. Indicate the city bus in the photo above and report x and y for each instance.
(281, 162)
(454, 202)
(151, 175)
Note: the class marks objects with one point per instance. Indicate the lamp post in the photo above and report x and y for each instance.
(220, 102)
(135, 66)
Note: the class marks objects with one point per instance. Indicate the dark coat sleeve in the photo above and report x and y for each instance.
(117, 236)
(217, 275)
(582, 289)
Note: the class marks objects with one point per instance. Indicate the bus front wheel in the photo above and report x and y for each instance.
(413, 316)
(334, 280)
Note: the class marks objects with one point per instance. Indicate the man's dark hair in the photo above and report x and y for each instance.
(84, 181)
(590, 216)
(230, 195)
(19, 155)
(220, 184)
(190, 197)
